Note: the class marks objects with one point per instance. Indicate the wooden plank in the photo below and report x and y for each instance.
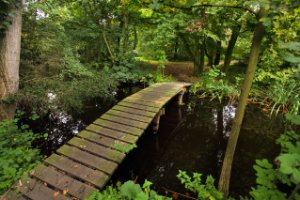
(144, 102)
(111, 134)
(98, 149)
(140, 107)
(99, 139)
(62, 182)
(88, 159)
(129, 116)
(121, 120)
(12, 195)
(134, 111)
(95, 177)
(36, 190)
(119, 127)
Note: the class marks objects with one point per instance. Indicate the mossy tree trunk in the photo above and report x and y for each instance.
(10, 47)
(224, 180)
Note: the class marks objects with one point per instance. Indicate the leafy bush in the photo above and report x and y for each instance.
(215, 85)
(128, 191)
(282, 88)
(270, 180)
(16, 154)
(205, 190)
(64, 94)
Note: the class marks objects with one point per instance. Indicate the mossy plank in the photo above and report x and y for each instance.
(134, 111)
(36, 190)
(12, 195)
(120, 127)
(62, 182)
(92, 176)
(129, 116)
(121, 120)
(140, 107)
(97, 149)
(99, 139)
(88, 159)
(109, 133)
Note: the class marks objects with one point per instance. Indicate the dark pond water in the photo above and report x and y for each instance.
(192, 138)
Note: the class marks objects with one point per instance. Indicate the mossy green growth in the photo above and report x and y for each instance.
(125, 148)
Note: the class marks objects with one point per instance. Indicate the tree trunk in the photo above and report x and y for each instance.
(224, 180)
(176, 46)
(10, 47)
(199, 60)
(228, 55)
(136, 39)
(218, 53)
(125, 34)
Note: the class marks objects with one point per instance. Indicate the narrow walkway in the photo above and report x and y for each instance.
(87, 161)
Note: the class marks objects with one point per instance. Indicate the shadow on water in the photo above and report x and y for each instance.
(193, 138)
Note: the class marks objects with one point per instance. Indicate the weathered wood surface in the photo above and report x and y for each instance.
(88, 160)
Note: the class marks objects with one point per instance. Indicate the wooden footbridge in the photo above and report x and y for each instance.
(87, 161)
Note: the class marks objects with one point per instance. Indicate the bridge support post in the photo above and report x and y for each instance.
(156, 120)
(180, 97)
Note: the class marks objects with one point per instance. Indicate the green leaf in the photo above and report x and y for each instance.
(295, 119)
(130, 189)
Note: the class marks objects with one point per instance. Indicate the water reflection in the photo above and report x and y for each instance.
(196, 143)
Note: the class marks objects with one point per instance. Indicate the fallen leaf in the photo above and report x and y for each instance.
(56, 194)
(65, 191)
(175, 195)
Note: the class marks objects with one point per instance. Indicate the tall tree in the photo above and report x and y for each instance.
(10, 46)
(233, 138)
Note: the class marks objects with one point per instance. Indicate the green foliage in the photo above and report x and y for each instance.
(7, 12)
(128, 191)
(205, 190)
(269, 178)
(214, 84)
(16, 154)
(281, 87)
(69, 91)
(125, 148)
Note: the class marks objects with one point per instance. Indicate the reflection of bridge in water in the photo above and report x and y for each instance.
(87, 161)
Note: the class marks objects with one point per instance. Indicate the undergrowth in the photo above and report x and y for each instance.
(16, 153)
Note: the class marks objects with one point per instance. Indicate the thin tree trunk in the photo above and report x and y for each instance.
(199, 59)
(228, 55)
(175, 57)
(136, 39)
(224, 180)
(125, 33)
(10, 47)
(218, 53)
(108, 47)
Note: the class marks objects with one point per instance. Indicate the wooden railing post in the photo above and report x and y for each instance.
(156, 120)
(180, 97)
